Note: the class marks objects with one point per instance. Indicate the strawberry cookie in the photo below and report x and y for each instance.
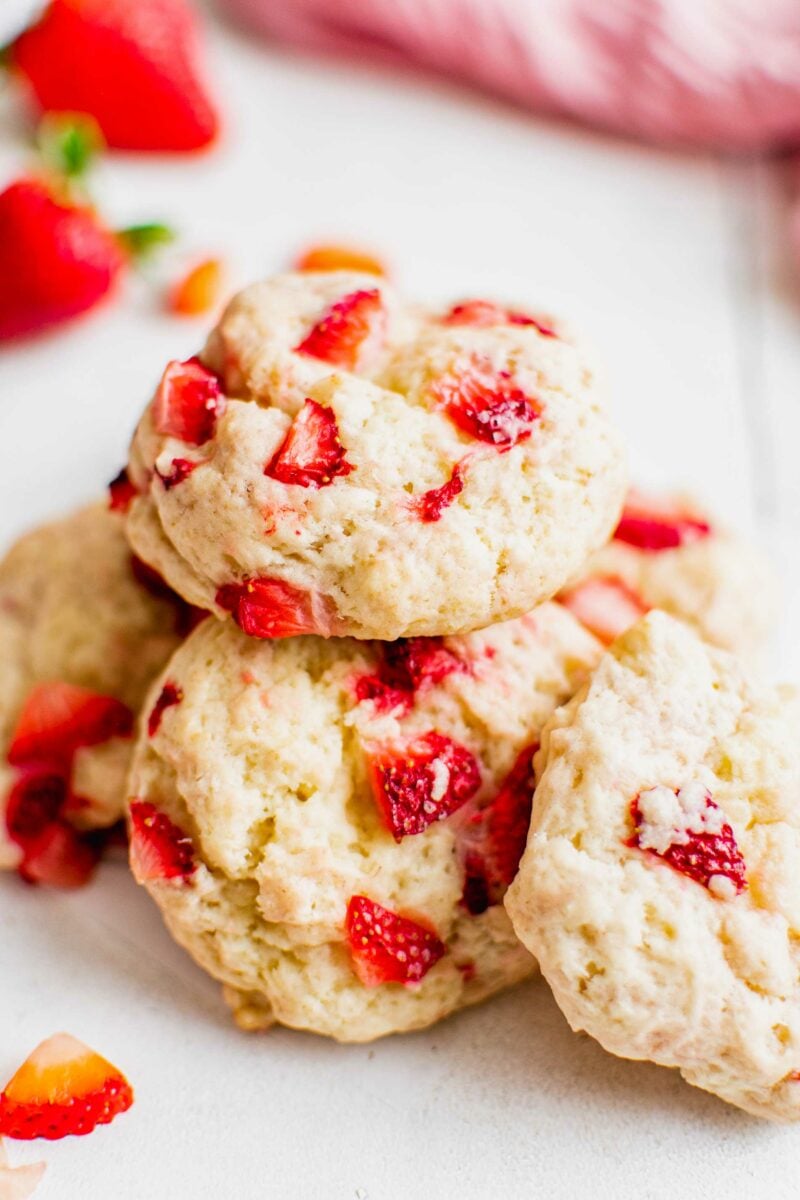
(337, 463)
(329, 826)
(667, 553)
(660, 888)
(83, 631)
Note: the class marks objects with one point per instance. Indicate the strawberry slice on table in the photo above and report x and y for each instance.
(311, 454)
(159, 849)
(62, 1088)
(198, 291)
(58, 258)
(495, 836)
(487, 404)
(132, 66)
(425, 781)
(339, 335)
(58, 718)
(188, 402)
(339, 258)
(605, 605)
(388, 948)
(271, 608)
(484, 314)
(653, 525)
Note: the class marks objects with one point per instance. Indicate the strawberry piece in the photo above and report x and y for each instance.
(61, 856)
(495, 837)
(428, 781)
(34, 802)
(606, 606)
(487, 404)
(197, 292)
(311, 454)
(654, 526)
(484, 314)
(62, 1088)
(121, 492)
(339, 335)
(53, 852)
(687, 829)
(169, 696)
(385, 697)
(188, 402)
(388, 948)
(180, 469)
(133, 67)
(58, 718)
(159, 849)
(339, 258)
(271, 608)
(407, 665)
(61, 259)
(431, 504)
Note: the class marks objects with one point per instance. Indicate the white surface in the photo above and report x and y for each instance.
(675, 267)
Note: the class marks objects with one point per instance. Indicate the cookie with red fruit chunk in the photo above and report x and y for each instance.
(335, 461)
(328, 826)
(83, 632)
(668, 553)
(660, 887)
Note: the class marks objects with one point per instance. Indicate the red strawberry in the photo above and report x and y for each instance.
(652, 525)
(121, 492)
(495, 837)
(698, 842)
(431, 504)
(311, 454)
(197, 292)
(339, 335)
(188, 402)
(606, 606)
(62, 1088)
(53, 852)
(180, 469)
(339, 258)
(428, 781)
(270, 608)
(484, 313)
(132, 66)
(382, 694)
(61, 259)
(159, 849)
(169, 696)
(57, 718)
(388, 948)
(411, 662)
(61, 856)
(487, 404)
(34, 802)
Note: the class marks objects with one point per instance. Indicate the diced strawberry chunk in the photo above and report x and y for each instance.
(62, 1088)
(653, 525)
(495, 836)
(58, 718)
(169, 696)
(34, 802)
(339, 336)
(197, 291)
(385, 697)
(687, 829)
(271, 608)
(605, 605)
(188, 402)
(431, 504)
(61, 856)
(311, 454)
(407, 665)
(121, 492)
(159, 849)
(483, 314)
(388, 948)
(426, 781)
(487, 404)
(180, 469)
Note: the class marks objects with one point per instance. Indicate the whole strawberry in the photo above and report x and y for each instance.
(130, 64)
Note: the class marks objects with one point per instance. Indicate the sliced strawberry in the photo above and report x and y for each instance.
(133, 67)
(388, 948)
(426, 781)
(409, 663)
(495, 836)
(57, 718)
(61, 856)
(180, 469)
(198, 291)
(606, 606)
(188, 403)
(654, 526)
(62, 1088)
(168, 697)
(339, 335)
(61, 259)
(35, 801)
(121, 492)
(159, 849)
(483, 313)
(271, 608)
(431, 504)
(487, 404)
(311, 454)
(339, 258)
(686, 828)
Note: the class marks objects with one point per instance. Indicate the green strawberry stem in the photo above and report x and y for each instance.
(142, 241)
(68, 144)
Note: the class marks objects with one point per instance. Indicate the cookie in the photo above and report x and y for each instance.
(81, 640)
(341, 464)
(329, 826)
(667, 553)
(660, 887)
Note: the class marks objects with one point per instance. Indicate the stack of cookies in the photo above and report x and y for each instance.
(373, 571)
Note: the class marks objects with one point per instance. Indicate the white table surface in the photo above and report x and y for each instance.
(676, 267)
